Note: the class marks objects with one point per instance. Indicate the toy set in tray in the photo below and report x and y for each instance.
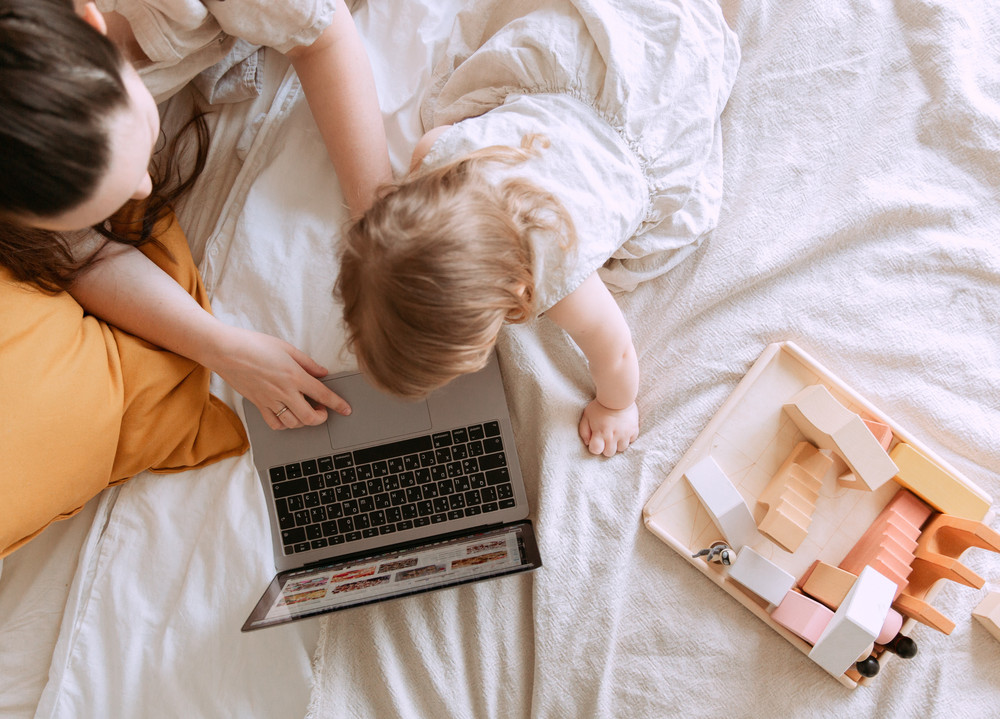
(823, 517)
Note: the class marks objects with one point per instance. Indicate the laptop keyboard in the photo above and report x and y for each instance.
(391, 487)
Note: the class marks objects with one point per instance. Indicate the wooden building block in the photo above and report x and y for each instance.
(802, 616)
(724, 503)
(952, 536)
(923, 612)
(942, 542)
(988, 613)
(888, 544)
(790, 497)
(829, 425)
(827, 584)
(856, 623)
(761, 576)
(943, 490)
(882, 432)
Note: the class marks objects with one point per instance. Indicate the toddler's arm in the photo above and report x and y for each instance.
(126, 289)
(592, 318)
(339, 85)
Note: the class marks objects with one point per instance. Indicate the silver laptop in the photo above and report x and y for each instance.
(396, 499)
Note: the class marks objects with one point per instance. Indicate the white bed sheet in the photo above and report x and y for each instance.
(860, 217)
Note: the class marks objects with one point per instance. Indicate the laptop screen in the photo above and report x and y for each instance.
(398, 572)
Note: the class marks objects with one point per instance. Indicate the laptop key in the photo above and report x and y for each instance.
(303, 547)
(325, 464)
(476, 431)
(310, 467)
(290, 487)
(404, 525)
(492, 429)
(492, 461)
(507, 503)
(370, 532)
(438, 518)
(490, 507)
(497, 476)
(293, 471)
(343, 460)
(318, 543)
(292, 536)
(421, 521)
(441, 439)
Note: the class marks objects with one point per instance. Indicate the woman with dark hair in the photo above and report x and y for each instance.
(87, 232)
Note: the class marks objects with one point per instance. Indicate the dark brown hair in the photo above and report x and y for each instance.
(59, 81)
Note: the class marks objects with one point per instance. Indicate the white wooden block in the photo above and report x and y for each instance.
(761, 576)
(724, 503)
(856, 623)
(830, 425)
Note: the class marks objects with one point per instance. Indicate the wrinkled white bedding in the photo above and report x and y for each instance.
(860, 217)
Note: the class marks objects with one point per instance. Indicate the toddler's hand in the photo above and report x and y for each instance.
(607, 431)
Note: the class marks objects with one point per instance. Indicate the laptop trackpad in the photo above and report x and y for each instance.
(375, 416)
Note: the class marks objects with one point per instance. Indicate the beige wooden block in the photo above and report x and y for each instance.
(790, 497)
(988, 613)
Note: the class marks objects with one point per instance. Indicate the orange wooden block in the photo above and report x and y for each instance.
(943, 541)
(827, 584)
(951, 536)
(790, 497)
(923, 612)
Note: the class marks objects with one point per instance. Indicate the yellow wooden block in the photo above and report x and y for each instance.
(943, 490)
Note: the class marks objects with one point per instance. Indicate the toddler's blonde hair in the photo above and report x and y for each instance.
(437, 265)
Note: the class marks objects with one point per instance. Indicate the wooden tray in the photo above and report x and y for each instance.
(749, 437)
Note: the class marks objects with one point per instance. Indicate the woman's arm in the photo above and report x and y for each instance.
(127, 290)
(339, 85)
(592, 318)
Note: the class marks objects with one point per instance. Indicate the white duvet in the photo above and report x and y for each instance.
(860, 215)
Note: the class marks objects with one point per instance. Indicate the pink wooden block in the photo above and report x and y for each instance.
(802, 616)
(881, 431)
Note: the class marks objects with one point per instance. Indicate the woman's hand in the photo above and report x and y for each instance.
(608, 431)
(277, 378)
